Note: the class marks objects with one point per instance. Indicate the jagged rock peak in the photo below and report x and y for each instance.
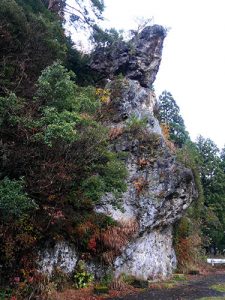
(137, 59)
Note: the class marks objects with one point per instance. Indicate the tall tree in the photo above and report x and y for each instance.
(212, 173)
(169, 114)
(222, 155)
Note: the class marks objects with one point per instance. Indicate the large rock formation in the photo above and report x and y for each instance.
(138, 59)
(160, 189)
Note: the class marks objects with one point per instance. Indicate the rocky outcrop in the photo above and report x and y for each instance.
(138, 59)
(160, 189)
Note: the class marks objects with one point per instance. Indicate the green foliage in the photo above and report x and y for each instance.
(210, 161)
(114, 173)
(179, 277)
(82, 15)
(5, 293)
(188, 237)
(56, 88)
(9, 106)
(208, 212)
(100, 289)
(169, 114)
(190, 157)
(213, 181)
(105, 38)
(57, 126)
(79, 63)
(135, 124)
(31, 39)
(82, 278)
(14, 202)
(94, 187)
(86, 100)
(110, 177)
(32, 6)
(98, 4)
(218, 287)
(68, 166)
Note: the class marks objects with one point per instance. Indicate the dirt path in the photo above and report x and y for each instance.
(194, 289)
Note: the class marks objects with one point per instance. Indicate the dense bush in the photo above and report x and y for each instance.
(14, 202)
(68, 168)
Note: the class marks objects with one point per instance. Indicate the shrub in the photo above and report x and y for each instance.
(109, 177)
(9, 106)
(135, 124)
(14, 202)
(56, 88)
(94, 187)
(114, 174)
(57, 126)
(82, 278)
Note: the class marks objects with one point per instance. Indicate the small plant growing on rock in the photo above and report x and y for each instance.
(103, 94)
(82, 278)
(135, 125)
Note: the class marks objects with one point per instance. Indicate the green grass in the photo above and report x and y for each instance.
(179, 277)
(219, 287)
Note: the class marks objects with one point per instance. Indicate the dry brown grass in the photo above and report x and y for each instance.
(166, 134)
(140, 185)
(115, 238)
(115, 132)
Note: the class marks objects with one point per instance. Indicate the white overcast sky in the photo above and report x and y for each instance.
(193, 63)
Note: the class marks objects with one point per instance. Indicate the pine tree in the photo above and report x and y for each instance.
(212, 173)
(169, 114)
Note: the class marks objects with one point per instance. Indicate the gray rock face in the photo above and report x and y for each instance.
(167, 190)
(160, 189)
(149, 256)
(62, 256)
(132, 99)
(138, 59)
